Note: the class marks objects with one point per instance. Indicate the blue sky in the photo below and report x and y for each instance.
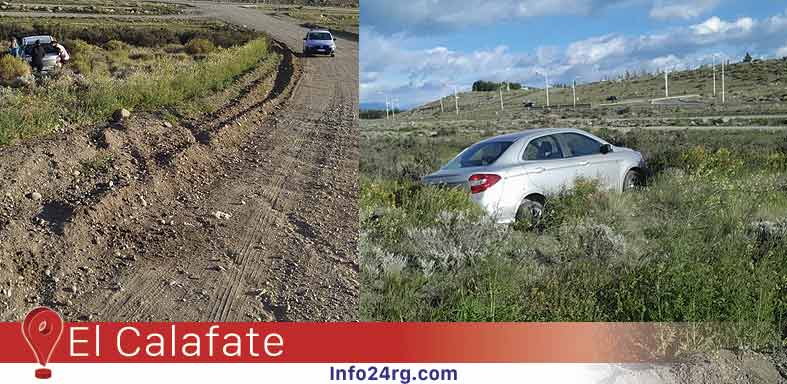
(419, 50)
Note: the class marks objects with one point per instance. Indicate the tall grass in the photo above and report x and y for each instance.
(168, 84)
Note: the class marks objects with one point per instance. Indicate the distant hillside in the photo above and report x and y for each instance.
(750, 87)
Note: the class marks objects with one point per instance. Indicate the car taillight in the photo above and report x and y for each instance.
(481, 182)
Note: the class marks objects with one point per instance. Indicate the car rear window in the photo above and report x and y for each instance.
(480, 154)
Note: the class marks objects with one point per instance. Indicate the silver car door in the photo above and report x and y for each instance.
(591, 163)
(546, 167)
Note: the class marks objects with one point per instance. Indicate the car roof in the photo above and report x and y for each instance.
(530, 133)
(319, 30)
(34, 38)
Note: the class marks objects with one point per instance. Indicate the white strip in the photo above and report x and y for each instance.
(321, 373)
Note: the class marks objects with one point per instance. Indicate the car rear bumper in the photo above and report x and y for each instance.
(492, 202)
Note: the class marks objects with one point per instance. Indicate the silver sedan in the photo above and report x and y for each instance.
(510, 176)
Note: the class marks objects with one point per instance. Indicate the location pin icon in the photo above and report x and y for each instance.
(42, 329)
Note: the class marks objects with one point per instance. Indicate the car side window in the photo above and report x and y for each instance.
(543, 148)
(579, 145)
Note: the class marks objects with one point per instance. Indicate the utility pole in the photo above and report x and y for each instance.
(456, 101)
(501, 99)
(442, 110)
(546, 87)
(723, 86)
(714, 76)
(666, 82)
(574, 91)
(386, 108)
(393, 110)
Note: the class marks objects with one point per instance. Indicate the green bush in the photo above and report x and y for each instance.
(200, 47)
(12, 68)
(87, 58)
(115, 45)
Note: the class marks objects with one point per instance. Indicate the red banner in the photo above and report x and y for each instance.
(339, 342)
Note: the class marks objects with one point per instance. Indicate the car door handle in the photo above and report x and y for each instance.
(536, 170)
(583, 163)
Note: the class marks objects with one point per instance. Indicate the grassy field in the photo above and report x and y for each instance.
(96, 7)
(130, 65)
(706, 240)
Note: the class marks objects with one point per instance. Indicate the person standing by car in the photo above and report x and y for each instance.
(37, 57)
(14, 49)
(61, 52)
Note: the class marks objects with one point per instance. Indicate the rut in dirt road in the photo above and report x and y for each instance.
(247, 214)
(272, 269)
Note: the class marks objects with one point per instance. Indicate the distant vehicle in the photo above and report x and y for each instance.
(612, 99)
(52, 58)
(510, 176)
(319, 41)
(530, 104)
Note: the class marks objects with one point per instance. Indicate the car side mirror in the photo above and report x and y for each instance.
(304, 39)
(606, 148)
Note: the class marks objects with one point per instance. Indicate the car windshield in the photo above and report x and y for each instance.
(479, 155)
(320, 36)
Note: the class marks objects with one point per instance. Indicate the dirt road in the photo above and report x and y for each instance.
(249, 214)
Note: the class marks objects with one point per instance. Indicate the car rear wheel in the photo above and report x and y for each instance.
(632, 181)
(529, 212)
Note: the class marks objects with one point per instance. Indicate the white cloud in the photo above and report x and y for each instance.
(596, 49)
(438, 15)
(681, 9)
(715, 25)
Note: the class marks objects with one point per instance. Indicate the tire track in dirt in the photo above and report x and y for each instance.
(145, 293)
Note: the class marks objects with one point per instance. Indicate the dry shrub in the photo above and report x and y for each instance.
(200, 47)
(12, 68)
